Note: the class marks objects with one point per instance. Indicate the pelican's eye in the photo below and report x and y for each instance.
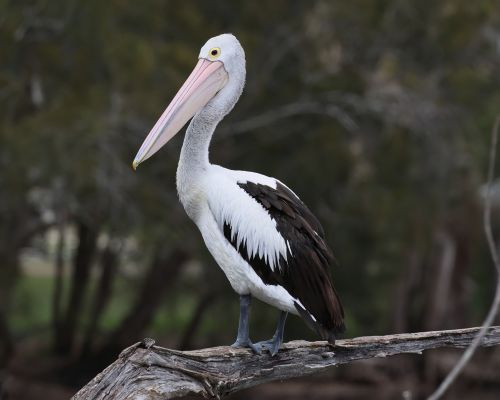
(214, 53)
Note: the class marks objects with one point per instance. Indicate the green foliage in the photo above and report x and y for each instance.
(81, 83)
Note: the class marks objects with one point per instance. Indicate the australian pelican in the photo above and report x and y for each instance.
(267, 242)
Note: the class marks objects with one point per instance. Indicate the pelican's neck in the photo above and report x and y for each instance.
(193, 161)
(194, 153)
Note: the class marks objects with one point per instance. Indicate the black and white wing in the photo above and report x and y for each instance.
(300, 263)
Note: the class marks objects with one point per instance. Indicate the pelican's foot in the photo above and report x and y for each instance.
(247, 344)
(272, 345)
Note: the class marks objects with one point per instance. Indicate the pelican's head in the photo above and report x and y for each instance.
(217, 81)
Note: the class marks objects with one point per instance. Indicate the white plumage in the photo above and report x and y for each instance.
(251, 224)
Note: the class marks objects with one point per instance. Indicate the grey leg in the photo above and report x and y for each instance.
(273, 345)
(242, 340)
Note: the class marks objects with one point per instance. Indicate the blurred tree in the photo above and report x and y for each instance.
(376, 113)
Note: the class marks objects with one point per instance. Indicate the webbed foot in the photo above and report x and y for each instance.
(247, 344)
(272, 345)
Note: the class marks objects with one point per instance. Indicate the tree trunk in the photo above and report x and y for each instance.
(87, 241)
(203, 305)
(162, 274)
(109, 264)
(6, 344)
(459, 288)
(408, 285)
(58, 278)
(440, 298)
(9, 271)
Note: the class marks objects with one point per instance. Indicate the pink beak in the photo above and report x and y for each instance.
(207, 78)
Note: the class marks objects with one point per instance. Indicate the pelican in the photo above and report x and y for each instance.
(263, 237)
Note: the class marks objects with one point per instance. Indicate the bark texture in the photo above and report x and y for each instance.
(146, 371)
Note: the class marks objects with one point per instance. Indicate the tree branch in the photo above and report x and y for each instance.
(152, 372)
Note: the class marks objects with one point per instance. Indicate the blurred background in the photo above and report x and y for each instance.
(377, 113)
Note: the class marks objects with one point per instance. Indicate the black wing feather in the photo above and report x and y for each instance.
(306, 272)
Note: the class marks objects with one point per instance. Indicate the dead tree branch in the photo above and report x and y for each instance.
(148, 372)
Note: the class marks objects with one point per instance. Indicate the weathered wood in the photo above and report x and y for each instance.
(145, 371)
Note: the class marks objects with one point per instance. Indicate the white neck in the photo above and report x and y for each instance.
(193, 162)
(194, 154)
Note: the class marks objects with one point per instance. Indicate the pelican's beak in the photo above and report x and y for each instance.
(207, 78)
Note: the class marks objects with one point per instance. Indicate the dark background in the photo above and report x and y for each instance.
(377, 113)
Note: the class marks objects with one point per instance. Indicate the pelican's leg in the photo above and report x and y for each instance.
(242, 340)
(273, 345)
